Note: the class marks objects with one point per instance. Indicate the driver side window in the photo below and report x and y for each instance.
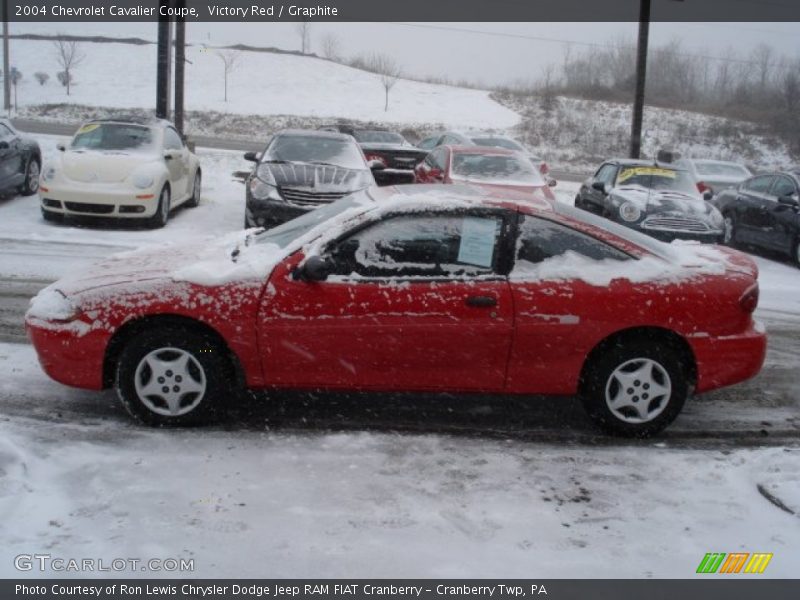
(440, 246)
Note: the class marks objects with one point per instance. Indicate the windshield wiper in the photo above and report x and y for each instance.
(323, 163)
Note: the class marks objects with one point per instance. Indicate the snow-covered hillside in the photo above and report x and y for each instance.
(123, 75)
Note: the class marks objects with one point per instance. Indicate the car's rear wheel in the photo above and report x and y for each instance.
(161, 217)
(728, 230)
(31, 184)
(172, 376)
(194, 199)
(636, 389)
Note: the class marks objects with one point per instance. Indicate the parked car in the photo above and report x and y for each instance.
(122, 168)
(503, 141)
(764, 211)
(714, 175)
(412, 288)
(485, 166)
(655, 198)
(300, 170)
(398, 156)
(20, 161)
(452, 138)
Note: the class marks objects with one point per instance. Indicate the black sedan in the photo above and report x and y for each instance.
(655, 198)
(300, 170)
(20, 161)
(764, 211)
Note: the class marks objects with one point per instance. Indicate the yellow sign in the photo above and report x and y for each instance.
(647, 171)
(88, 128)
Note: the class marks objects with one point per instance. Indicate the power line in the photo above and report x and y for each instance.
(537, 38)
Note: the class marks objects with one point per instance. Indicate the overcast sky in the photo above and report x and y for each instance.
(494, 53)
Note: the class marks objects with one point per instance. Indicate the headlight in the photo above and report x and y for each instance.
(629, 212)
(262, 184)
(49, 174)
(715, 217)
(143, 181)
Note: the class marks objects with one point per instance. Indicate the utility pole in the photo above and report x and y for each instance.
(6, 62)
(163, 65)
(180, 61)
(641, 70)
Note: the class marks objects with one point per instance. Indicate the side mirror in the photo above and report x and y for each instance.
(315, 268)
(790, 201)
(552, 182)
(601, 187)
(708, 195)
(61, 147)
(376, 165)
(252, 156)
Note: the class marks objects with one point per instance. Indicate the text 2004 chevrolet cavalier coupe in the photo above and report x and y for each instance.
(420, 288)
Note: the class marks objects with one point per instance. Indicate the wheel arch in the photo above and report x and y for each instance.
(135, 326)
(643, 333)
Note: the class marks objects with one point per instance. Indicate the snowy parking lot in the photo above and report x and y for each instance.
(341, 486)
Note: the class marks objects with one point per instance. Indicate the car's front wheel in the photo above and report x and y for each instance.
(636, 389)
(194, 199)
(31, 184)
(172, 376)
(161, 217)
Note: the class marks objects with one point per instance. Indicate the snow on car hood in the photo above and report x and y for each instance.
(93, 166)
(662, 201)
(319, 178)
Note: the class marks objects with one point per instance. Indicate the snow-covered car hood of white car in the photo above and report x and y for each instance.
(93, 166)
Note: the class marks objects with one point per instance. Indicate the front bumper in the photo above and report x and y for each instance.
(98, 200)
(271, 213)
(726, 360)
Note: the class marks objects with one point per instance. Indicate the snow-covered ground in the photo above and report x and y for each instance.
(79, 479)
(263, 83)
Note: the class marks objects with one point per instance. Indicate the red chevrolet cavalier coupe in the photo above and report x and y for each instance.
(485, 166)
(428, 288)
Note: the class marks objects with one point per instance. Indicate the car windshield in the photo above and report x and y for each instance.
(284, 234)
(315, 149)
(657, 178)
(715, 168)
(499, 142)
(112, 136)
(378, 137)
(504, 168)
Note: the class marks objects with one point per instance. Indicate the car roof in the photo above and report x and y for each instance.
(480, 150)
(144, 121)
(324, 134)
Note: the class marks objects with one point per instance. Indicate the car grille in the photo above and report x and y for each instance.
(309, 198)
(675, 224)
(97, 209)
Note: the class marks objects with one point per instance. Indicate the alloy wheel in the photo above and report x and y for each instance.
(638, 390)
(32, 177)
(170, 381)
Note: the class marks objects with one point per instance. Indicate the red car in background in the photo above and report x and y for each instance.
(486, 166)
(411, 288)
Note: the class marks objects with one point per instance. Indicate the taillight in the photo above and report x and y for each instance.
(749, 299)
(702, 187)
(377, 157)
(543, 168)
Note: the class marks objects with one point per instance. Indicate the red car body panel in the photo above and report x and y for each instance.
(423, 175)
(411, 335)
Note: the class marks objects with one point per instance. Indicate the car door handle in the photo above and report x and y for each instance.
(481, 301)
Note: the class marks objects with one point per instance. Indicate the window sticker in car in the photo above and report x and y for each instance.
(88, 128)
(646, 171)
(477, 241)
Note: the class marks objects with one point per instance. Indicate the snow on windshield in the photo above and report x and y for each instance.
(498, 142)
(315, 149)
(113, 136)
(509, 169)
(657, 178)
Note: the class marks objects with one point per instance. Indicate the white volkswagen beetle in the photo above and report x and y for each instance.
(124, 168)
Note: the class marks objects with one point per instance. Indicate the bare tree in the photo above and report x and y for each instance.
(303, 29)
(331, 47)
(388, 70)
(230, 60)
(69, 56)
(41, 77)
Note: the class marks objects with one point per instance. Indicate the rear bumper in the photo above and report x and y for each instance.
(724, 361)
(70, 353)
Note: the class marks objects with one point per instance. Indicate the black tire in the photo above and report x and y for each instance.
(159, 220)
(197, 186)
(601, 385)
(32, 171)
(53, 217)
(796, 253)
(206, 366)
(729, 227)
(579, 203)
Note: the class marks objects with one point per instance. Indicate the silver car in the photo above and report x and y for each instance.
(714, 175)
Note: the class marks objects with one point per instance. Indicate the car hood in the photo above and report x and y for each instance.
(319, 178)
(663, 201)
(92, 166)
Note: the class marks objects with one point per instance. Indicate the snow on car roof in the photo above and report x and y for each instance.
(332, 135)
